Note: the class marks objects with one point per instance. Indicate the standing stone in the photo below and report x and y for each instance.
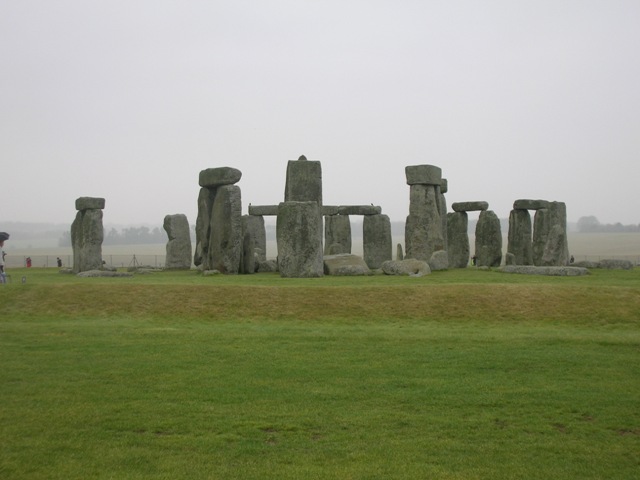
(399, 254)
(442, 208)
(423, 228)
(299, 237)
(225, 245)
(519, 237)
(541, 228)
(254, 226)
(458, 246)
(376, 240)
(488, 240)
(87, 234)
(304, 181)
(179, 244)
(337, 234)
(556, 249)
(203, 227)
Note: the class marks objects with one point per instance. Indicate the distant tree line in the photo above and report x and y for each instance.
(591, 224)
(127, 236)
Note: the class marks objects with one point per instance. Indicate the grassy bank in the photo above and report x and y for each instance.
(462, 374)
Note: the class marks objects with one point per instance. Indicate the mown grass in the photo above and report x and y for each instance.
(462, 374)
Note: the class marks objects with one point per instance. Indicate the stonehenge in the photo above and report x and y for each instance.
(87, 234)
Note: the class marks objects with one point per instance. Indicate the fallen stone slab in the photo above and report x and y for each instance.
(550, 271)
(469, 206)
(103, 273)
(345, 264)
(410, 266)
(610, 264)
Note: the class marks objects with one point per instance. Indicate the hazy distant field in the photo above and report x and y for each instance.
(583, 246)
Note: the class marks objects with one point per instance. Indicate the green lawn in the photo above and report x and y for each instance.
(457, 375)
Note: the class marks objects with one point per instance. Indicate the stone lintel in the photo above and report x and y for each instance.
(89, 203)
(215, 177)
(470, 206)
(351, 210)
(423, 175)
(263, 210)
(524, 204)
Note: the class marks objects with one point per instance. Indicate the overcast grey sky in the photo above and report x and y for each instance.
(129, 100)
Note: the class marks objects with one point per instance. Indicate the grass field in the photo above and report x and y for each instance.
(458, 375)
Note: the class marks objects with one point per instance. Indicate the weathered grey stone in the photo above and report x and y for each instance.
(211, 273)
(550, 245)
(179, 244)
(359, 210)
(102, 273)
(376, 240)
(304, 181)
(608, 263)
(524, 204)
(254, 226)
(423, 175)
(488, 240)
(345, 264)
(86, 239)
(442, 208)
(519, 242)
(263, 210)
(423, 228)
(411, 267)
(225, 244)
(89, 203)
(299, 237)
(330, 210)
(216, 177)
(439, 261)
(458, 239)
(249, 259)
(399, 254)
(203, 227)
(510, 259)
(469, 206)
(337, 232)
(549, 270)
(267, 266)
(444, 186)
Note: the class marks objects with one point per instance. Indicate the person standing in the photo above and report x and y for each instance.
(3, 275)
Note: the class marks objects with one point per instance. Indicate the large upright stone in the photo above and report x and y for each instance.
(203, 228)
(519, 242)
(458, 236)
(225, 244)
(337, 234)
(304, 181)
(488, 240)
(556, 248)
(442, 208)
(179, 244)
(253, 225)
(376, 240)
(87, 235)
(423, 228)
(299, 236)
